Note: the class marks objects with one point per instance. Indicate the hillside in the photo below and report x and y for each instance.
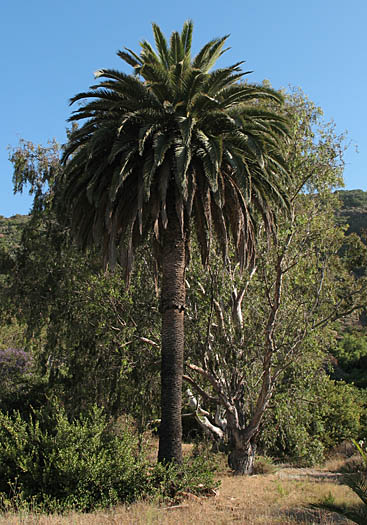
(10, 231)
(354, 210)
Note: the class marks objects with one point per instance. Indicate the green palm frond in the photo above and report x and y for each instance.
(222, 78)
(186, 37)
(191, 86)
(145, 132)
(162, 47)
(148, 54)
(161, 144)
(176, 49)
(174, 127)
(130, 57)
(209, 54)
(185, 125)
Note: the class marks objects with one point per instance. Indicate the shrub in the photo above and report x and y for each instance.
(15, 369)
(302, 430)
(351, 354)
(21, 387)
(59, 464)
(14, 363)
(357, 481)
(194, 476)
(264, 465)
(51, 463)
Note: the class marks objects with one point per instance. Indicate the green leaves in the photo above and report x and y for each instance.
(58, 464)
(161, 44)
(173, 111)
(209, 54)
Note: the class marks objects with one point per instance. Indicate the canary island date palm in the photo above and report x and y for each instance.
(171, 147)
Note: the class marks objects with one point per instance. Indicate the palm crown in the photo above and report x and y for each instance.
(173, 130)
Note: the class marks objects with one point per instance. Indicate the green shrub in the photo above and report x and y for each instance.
(351, 354)
(194, 476)
(21, 387)
(50, 463)
(302, 430)
(264, 465)
(59, 464)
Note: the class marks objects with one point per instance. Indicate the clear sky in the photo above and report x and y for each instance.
(50, 49)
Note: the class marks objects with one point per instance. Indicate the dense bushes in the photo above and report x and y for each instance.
(351, 355)
(15, 369)
(304, 429)
(55, 464)
(21, 387)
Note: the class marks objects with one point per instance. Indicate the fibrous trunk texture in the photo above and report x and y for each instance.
(172, 309)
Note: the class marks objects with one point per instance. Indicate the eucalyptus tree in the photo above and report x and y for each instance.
(265, 328)
(172, 146)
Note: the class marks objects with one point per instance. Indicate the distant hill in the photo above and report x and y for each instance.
(11, 231)
(354, 210)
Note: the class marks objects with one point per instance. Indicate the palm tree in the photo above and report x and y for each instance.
(170, 147)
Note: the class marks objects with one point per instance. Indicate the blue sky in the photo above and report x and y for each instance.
(50, 49)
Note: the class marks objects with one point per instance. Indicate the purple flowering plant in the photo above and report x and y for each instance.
(15, 365)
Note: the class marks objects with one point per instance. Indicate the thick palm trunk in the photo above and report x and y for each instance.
(172, 309)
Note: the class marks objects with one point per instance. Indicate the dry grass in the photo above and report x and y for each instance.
(281, 498)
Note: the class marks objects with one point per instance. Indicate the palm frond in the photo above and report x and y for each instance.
(186, 37)
(221, 78)
(183, 159)
(130, 58)
(209, 54)
(147, 54)
(174, 128)
(162, 47)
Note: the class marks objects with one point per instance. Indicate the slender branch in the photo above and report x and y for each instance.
(200, 390)
(149, 342)
(218, 387)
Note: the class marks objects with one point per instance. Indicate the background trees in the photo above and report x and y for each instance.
(91, 341)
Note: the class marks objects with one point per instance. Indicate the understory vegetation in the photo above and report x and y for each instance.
(54, 463)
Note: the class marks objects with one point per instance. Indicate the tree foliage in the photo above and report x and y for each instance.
(256, 327)
(90, 339)
(174, 130)
(354, 211)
